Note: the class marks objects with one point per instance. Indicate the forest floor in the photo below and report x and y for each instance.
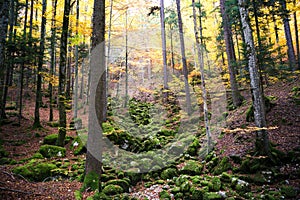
(23, 142)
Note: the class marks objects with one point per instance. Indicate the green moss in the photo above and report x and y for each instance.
(192, 167)
(101, 196)
(91, 180)
(225, 177)
(215, 184)
(50, 139)
(78, 195)
(164, 195)
(78, 146)
(120, 182)
(49, 151)
(175, 190)
(211, 196)
(35, 171)
(168, 173)
(196, 194)
(37, 155)
(288, 191)
(112, 190)
(223, 166)
(53, 124)
(178, 195)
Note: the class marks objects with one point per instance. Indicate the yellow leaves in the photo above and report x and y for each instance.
(50, 79)
(249, 129)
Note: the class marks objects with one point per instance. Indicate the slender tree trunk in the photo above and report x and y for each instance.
(288, 36)
(262, 140)
(126, 59)
(4, 15)
(163, 41)
(184, 64)
(62, 75)
(172, 48)
(297, 37)
(23, 64)
(98, 101)
(76, 65)
(38, 99)
(236, 96)
(52, 62)
(203, 87)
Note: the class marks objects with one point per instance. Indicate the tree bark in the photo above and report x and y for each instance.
(38, 99)
(184, 64)
(163, 41)
(262, 139)
(288, 36)
(236, 96)
(52, 59)
(199, 44)
(98, 101)
(62, 75)
(4, 14)
(297, 37)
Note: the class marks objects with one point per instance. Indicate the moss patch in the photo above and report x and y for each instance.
(112, 190)
(49, 151)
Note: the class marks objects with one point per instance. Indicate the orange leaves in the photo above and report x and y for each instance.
(249, 129)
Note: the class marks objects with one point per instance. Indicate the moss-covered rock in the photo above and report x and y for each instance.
(223, 166)
(192, 167)
(37, 155)
(212, 196)
(168, 173)
(196, 194)
(185, 186)
(112, 190)
(78, 146)
(101, 196)
(225, 177)
(215, 184)
(164, 195)
(91, 181)
(49, 151)
(35, 171)
(123, 183)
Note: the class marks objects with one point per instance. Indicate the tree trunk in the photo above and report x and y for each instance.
(126, 59)
(4, 13)
(163, 41)
(23, 64)
(62, 75)
(38, 99)
(52, 59)
(236, 96)
(203, 87)
(184, 64)
(98, 101)
(288, 36)
(76, 65)
(297, 37)
(262, 140)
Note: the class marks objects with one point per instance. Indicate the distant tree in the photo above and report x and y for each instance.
(288, 35)
(4, 15)
(200, 49)
(296, 36)
(183, 57)
(52, 56)
(38, 99)
(262, 139)
(236, 96)
(62, 75)
(163, 40)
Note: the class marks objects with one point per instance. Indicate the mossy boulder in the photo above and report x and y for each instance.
(120, 182)
(241, 186)
(215, 184)
(185, 187)
(168, 173)
(49, 151)
(112, 189)
(164, 195)
(196, 193)
(212, 196)
(192, 167)
(78, 146)
(225, 177)
(35, 171)
(223, 166)
(52, 139)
